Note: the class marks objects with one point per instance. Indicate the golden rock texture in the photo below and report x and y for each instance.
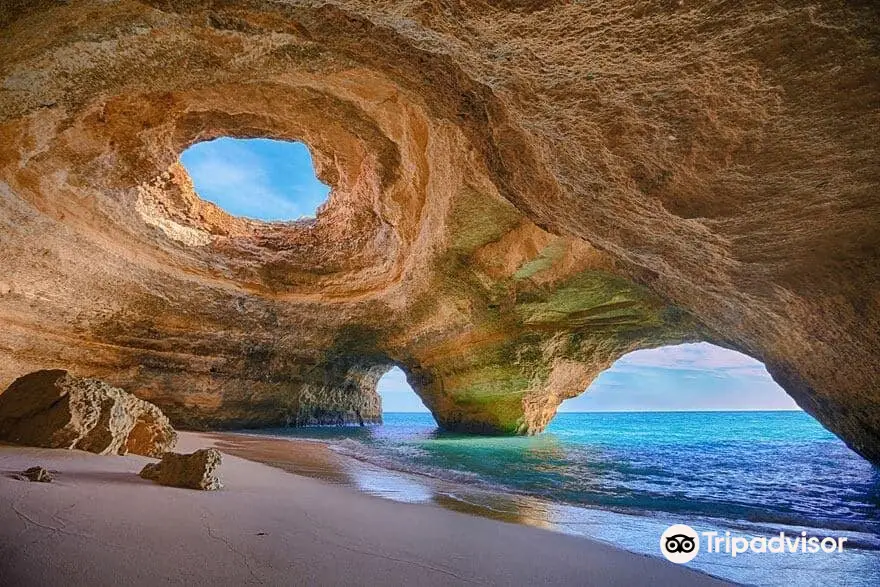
(522, 193)
(196, 470)
(53, 409)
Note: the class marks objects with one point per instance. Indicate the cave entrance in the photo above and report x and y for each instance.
(683, 378)
(262, 179)
(398, 396)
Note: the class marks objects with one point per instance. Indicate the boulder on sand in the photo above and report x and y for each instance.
(38, 474)
(193, 471)
(53, 409)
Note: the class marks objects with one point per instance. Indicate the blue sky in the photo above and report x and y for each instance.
(275, 180)
(685, 377)
(258, 178)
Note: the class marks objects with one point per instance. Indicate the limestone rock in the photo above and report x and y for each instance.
(38, 474)
(53, 409)
(197, 470)
(522, 193)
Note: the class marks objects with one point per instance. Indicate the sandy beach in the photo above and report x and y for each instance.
(100, 524)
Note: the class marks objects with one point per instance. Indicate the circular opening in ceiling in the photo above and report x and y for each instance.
(263, 179)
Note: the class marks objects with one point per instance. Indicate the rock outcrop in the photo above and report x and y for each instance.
(37, 475)
(522, 193)
(53, 409)
(193, 471)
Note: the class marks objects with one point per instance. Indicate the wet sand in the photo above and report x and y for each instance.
(301, 457)
(101, 524)
(316, 460)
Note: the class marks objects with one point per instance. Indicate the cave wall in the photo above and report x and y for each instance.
(522, 193)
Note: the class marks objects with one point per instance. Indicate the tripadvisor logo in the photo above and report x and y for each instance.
(680, 544)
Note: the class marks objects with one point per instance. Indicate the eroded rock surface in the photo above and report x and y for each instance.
(53, 409)
(197, 470)
(37, 475)
(522, 193)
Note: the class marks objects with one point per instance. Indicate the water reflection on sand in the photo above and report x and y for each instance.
(315, 460)
(637, 533)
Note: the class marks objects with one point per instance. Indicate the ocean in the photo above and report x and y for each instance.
(624, 477)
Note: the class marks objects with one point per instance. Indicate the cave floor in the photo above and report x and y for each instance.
(98, 523)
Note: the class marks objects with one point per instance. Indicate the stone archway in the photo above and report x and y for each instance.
(509, 214)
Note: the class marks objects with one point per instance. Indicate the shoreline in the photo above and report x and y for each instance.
(632, 531)
(100, 523)
(315, 459)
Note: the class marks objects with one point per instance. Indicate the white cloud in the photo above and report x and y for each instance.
(693, 357)
(233, 176)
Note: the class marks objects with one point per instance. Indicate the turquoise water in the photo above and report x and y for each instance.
(622, 477)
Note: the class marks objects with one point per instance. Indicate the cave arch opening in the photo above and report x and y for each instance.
(258, 178)
(687, 377)
(397, 394)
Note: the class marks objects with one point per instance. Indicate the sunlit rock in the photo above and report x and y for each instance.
(522, 193)
(53, 409)
(197, 470)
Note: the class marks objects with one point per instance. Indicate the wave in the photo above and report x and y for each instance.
(861, 534)
(360, 452)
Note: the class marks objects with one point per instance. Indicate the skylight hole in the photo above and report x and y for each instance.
(262, 179)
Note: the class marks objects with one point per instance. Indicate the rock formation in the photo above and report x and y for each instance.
(522, 193)
(193, 471)
(37, 475)
(55, 410)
